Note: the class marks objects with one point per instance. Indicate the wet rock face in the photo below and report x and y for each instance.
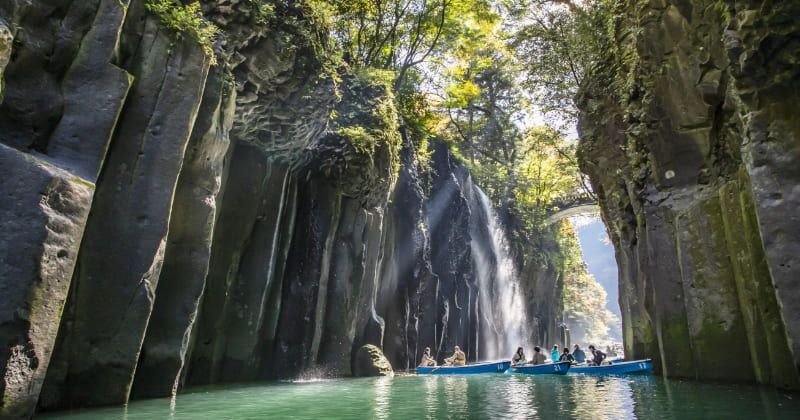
(693, 154)
(170, 222)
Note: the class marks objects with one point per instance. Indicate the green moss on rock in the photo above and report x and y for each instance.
(361, 152)
(186, 19)
(370, 361)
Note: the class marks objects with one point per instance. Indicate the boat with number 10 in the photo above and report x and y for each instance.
(485, 367)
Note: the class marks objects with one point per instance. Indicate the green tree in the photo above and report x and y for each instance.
(558, 43)
(398, 35)
(587, 316)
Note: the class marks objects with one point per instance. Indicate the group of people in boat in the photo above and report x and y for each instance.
(457, 359)
(577, 356)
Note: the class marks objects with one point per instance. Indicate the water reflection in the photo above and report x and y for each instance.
(455, 393)
(520, 401)
(431, 399)
(508, 396)
(172, 401)
(383, 398)
(602, 397)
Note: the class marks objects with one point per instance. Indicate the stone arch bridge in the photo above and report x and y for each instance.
(572, 205)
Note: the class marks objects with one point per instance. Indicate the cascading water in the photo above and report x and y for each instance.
(501, 305)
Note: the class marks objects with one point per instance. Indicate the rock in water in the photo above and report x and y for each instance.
(370, 361)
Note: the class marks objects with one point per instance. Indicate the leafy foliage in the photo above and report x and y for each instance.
(485, 112)
(261, 10)
(587, 317)
(397, 34)
(369, 120)
(186, 19)
(558, 44)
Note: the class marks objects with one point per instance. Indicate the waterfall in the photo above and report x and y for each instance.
(501, 304)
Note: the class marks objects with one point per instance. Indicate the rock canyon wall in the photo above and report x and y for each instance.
(180, 211)
(689, 136)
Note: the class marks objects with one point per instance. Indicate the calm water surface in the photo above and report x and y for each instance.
(457, 397)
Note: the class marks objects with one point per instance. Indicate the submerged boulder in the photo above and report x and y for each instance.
(370, 361)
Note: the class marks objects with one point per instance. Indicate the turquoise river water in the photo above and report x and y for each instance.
(457, 397)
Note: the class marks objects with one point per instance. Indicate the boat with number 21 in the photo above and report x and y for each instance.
(559, 368)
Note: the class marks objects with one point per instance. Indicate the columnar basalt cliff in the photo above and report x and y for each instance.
(689, 138)
(176, 212)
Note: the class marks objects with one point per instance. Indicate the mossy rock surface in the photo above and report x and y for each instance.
(370, 361)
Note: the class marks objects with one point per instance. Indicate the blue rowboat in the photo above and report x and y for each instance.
(486, 367)
(559, 368)
(621, 368)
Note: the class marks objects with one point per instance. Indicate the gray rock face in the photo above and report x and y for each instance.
(687, 139)
(42, 217)
(239, 229)
(126, 235)
(188, 248)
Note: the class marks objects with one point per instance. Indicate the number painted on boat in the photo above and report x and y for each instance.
(558, 368)
(641, 365)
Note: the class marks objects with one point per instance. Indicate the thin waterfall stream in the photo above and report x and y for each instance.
(501, 304)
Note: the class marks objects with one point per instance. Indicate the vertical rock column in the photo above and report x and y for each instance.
(47, 193)
(42, 217)
(763, 43)
(408, 270)
(241, 213)
(123, 249)
(348, 272)
(306, 277)
(252, 303)
(186, 259)
(451, 259)
(695, 164)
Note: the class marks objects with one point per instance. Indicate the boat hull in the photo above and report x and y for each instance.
(489, 367)
(621, 368)
(560, 368)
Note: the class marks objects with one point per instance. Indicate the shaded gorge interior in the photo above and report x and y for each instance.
(170, 222)
(187, 206)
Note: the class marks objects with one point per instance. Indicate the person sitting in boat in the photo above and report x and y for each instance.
(457, 359)
(565, 356)
(554, 354)
(538, 357)
(427, 359)
(519, 357)
(597, 356)
(578, 354)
